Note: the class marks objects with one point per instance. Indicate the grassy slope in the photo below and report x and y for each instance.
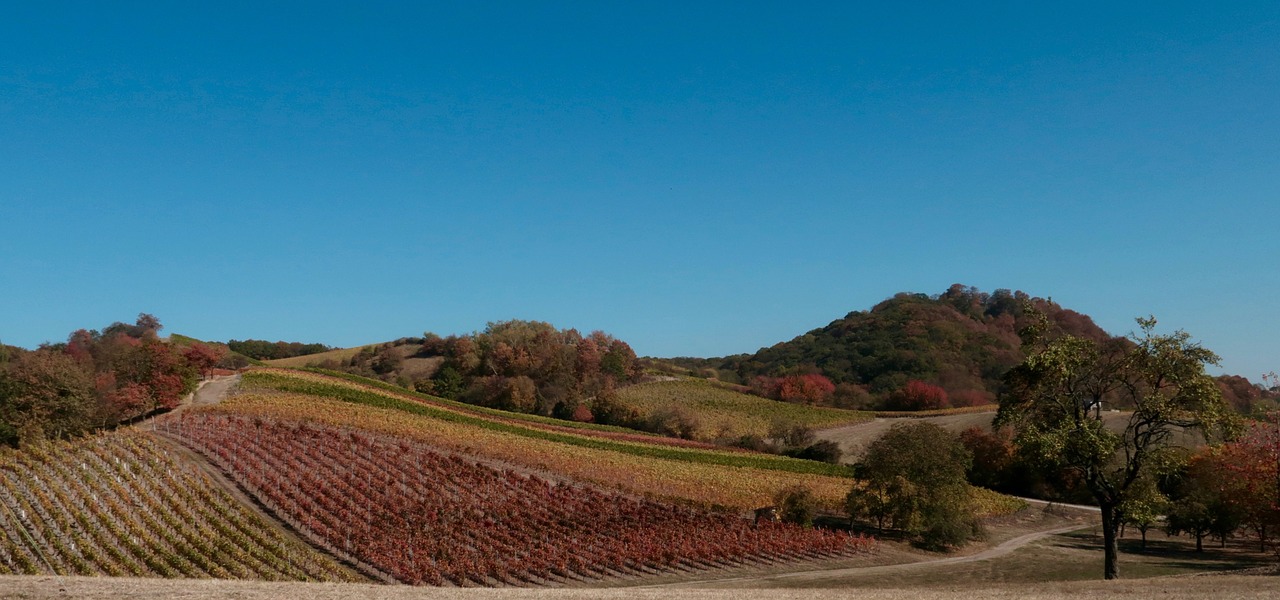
(307, 360)
(724, 413)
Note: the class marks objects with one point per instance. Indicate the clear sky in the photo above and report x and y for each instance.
(695, 178)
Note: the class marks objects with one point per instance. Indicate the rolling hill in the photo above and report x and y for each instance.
(962, 340)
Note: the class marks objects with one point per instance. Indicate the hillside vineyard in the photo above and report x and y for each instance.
(424, 516)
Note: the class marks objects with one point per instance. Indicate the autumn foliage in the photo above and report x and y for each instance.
(918, 395)
(961, 340)
(799, 388)
(532, 367)
(96, 379)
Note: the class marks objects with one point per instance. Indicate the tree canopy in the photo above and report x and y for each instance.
(913, 477)
(960, 341)
(530, 366)
(1055, 399)
(95, 379)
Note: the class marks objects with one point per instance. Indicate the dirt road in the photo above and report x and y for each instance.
(808, 578)
(212, 391)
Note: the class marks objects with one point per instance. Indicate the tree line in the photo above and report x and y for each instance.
(95, 379)
(264, 350)
(532, 367)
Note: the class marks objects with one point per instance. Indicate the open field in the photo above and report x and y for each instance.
(726, 414)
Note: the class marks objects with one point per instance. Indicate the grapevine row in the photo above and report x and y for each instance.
(121, 504)
(425, 516)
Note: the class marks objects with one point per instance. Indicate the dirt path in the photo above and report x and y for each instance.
(815, 576)
(212, 391)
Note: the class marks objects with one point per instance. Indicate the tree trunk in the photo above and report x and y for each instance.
(1199, 542)
(1110, 546)
(1144, 539)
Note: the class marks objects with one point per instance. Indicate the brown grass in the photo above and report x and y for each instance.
(1195, 588)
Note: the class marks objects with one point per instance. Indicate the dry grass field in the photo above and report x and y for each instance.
(1179, 588)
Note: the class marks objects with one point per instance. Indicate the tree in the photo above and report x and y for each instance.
(914, 476)
(1205, 499)
(1252, 464)
(876, 499)
(45, 394)
(993, 456)
(918, 395)
(203, 357)
(1144, 506)
(810, 388)
(1054, 401)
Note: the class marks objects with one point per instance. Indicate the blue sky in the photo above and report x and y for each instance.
(698, 180)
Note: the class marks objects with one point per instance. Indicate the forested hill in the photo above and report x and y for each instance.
(962, 341)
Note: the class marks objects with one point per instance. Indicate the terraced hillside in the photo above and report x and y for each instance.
(123, 503)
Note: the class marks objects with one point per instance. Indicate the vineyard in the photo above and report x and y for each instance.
(725, 413)
(426, 516)
(122, 504)
(735, 480)
(317, 379)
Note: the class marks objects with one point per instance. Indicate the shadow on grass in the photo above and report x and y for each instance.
(1172, 553)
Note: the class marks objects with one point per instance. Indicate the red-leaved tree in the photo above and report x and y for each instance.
(918, 395)
(810, 388)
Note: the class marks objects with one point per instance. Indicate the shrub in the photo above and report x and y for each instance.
(823, 451)
(797, 505)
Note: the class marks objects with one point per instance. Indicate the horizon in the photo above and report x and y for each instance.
(697, 181)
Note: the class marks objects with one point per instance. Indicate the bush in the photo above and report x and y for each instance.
(796, 504)
(823, 451)
(675, 422)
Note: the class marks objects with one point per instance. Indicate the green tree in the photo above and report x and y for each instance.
(914, 476)
(1055, 397)
(874, 499)
(1144, 506)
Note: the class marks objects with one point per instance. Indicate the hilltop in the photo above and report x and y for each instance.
(918, 351)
